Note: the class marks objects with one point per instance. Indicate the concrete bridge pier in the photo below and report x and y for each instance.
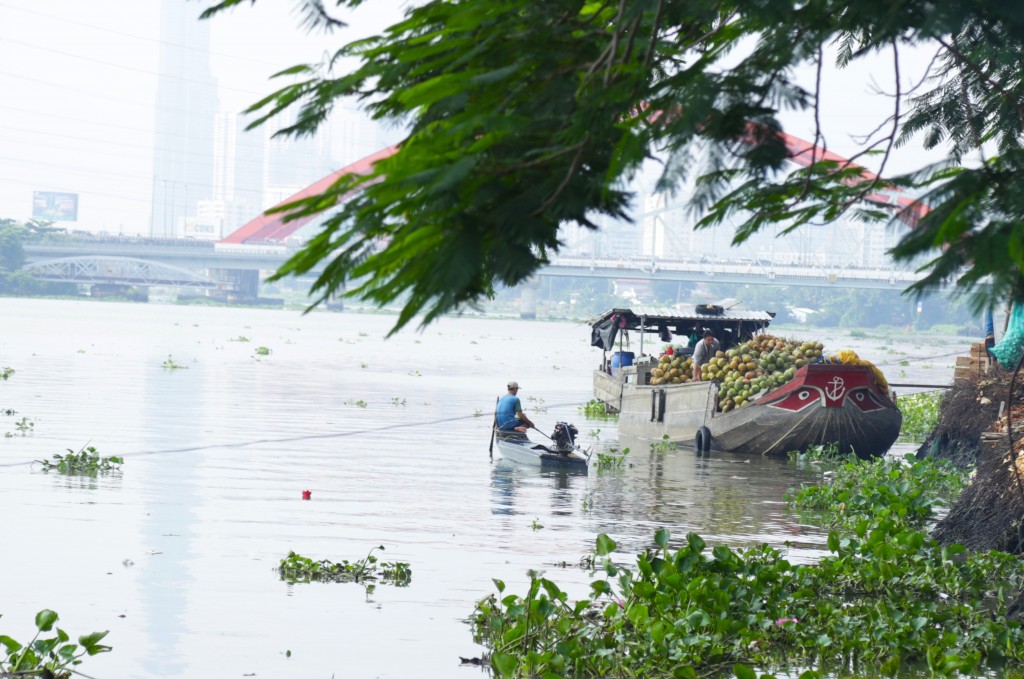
(336, 302)
(244, 283)
(138, 293)
(528, 298)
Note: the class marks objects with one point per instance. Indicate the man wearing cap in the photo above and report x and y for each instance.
(509, 415)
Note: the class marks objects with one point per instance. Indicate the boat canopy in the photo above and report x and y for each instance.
(730, 326)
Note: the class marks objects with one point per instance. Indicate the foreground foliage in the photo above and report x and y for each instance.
(886, 596)
(523, 116)
(51, 656)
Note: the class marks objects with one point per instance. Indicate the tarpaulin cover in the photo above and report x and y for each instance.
(603, 334)
(1008, 350)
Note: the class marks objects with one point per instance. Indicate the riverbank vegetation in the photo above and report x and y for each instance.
(886, 598)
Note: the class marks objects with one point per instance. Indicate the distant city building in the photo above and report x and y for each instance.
(185, 108)
(292, 163)
(238, 158)
(353, 136)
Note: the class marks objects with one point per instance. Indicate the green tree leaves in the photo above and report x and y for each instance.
(527, 115)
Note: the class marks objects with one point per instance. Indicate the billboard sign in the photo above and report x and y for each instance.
(55, 207)
(202, 229)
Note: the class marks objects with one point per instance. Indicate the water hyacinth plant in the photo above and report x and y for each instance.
(170, 364)
(920, 415)
(297, 568)
(887, 597)
(54, 657)
(595, 410)
(818, 452)
(907, 490)
(86, 462)
(612, 459)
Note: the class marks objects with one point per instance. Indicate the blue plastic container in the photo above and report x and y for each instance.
(621, 359)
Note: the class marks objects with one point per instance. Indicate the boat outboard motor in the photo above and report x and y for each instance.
(564, 437)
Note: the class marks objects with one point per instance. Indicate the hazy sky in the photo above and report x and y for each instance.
(78, 88)
(78, 91)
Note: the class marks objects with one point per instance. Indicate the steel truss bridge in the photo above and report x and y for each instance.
(111, 270)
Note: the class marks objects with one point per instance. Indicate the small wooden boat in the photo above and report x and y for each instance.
(823, 403)
(518, 447)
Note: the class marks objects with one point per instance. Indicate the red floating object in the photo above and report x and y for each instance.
(307, 495)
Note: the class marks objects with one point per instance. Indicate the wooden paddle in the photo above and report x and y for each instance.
(494, 425)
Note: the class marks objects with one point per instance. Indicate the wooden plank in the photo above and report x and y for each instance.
(964, 362)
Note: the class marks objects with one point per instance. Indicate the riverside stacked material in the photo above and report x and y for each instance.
(822, 403)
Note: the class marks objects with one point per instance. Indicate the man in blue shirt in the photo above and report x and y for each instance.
(509, 415)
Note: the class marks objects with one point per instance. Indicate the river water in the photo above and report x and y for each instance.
(176, 553)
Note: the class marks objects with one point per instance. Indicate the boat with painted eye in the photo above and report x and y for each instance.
(822, 403)
(563, 451)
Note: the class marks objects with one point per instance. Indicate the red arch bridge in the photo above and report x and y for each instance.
(273, 228)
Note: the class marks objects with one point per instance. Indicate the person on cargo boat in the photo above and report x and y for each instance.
(704, 352)
(509, 415)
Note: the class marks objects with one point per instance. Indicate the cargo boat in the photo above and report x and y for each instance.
(823, 403)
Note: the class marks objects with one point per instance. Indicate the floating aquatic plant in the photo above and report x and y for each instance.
(594, 409)
(297, 568)
(86, 462)
(170, 364)
(612, 459)
(663, 446)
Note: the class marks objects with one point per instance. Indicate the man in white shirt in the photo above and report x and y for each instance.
(704, 352)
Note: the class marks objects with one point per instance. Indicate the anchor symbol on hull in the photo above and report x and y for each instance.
(835, 389)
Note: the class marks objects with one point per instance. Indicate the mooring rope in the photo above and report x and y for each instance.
(293, 439)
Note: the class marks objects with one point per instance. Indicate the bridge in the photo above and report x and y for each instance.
(123, 271)
(185, 262)
(262, 245)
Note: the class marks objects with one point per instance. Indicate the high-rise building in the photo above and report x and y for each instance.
(237, 171)
(186, 103)
(354, 135)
